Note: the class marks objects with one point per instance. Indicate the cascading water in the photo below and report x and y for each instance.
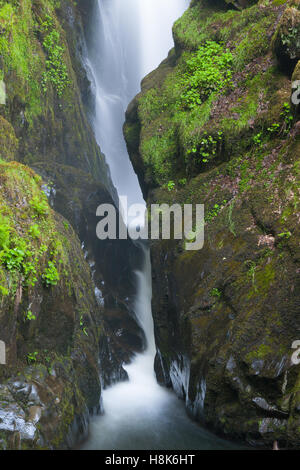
(128, 39)
(140, 414)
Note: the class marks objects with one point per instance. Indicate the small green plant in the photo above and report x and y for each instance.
(274, 128)
(43, 248)
(257, 139)
(287, 117)
(182, 181)
(285, 235)
(214, 212)
(208, 148)
(251, 265)
(30, 316)
(215, 292)
(83, 328)
(171, 185)
(4, 232)
(290, 38)
(14, 257)
(56, 72)
(40, 206)
(51, 275)
(34, 231)
(208, 70)
(32, 357)
(3, 291)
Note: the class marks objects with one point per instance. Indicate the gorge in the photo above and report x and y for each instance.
(213, 122)
(138, 414)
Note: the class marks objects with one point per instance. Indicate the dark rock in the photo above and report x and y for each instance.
(286, 41)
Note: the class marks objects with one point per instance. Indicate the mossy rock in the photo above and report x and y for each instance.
(50, 317)
(296, 72)
(241, 3)
(8, 141)
(286, 41)
(231, 309)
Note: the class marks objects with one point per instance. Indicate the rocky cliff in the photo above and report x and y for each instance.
(215, 125)
(65, 297)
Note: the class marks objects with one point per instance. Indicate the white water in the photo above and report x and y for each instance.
(129, 38)
(140, 414)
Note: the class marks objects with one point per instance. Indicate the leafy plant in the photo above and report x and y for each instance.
(39, 205)
(274, 128)
(215, 292)
(257, 139)
(182, 181)
(13, 258)
(30, 316)
(251, 265)
(32, 357)
(171, 185)
(3, 291)
(4, 232)
(56, 72)
(208, 71)
(287, 117)
(81, 323)
(214, 212)
(51, 275)
(208, 147)
(34, 231)
(285, 235)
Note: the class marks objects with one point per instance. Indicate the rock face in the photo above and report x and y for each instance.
(227, 316)
(50, 320)
(65, 297)
(286, 41)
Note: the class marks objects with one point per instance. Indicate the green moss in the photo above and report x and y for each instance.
(251, 195)
(253, 41)
(264, 278)
(32, 251)
(176, 111)
(19, 56)
(261, 352)
(56, 72)
(8, 142)
(207, 71)
(160, 152)
(32, 53)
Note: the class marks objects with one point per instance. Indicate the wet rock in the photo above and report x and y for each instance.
(12, 419)
(286, 42)
(241, 3)
(232, 308)
(271, 426)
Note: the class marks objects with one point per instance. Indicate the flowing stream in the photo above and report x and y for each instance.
(128, 39)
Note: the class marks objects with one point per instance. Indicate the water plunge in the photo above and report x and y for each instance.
(140, 414)
(128, 39)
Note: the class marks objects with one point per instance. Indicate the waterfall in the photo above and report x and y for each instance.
(128, 39)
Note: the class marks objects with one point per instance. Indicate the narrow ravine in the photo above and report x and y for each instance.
(127, 40)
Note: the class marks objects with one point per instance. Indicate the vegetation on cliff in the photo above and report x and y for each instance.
(50, 320)
(48, 310)
(228, 138)
(52, 178)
